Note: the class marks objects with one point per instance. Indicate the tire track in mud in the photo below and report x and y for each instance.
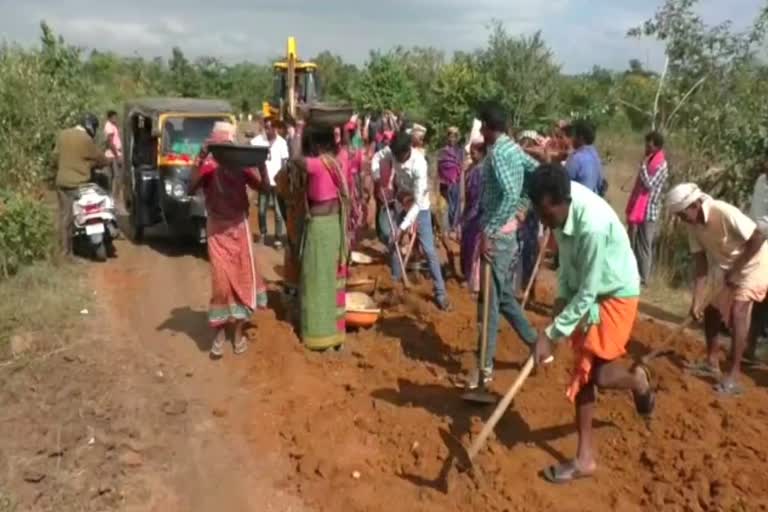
(156, 299)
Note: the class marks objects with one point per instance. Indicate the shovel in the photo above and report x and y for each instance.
(406, 282)
(481, 395)
(479, 441)
(664, 348)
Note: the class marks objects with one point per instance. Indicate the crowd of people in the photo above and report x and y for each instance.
(498, 197)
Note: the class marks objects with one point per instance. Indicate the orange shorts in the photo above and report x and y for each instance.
(606, 340)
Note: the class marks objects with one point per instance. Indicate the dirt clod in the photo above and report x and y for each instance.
(131, 459)
(175, 407)
(21, 344)
(33, 477)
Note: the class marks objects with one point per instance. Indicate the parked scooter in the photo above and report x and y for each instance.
(95, 222)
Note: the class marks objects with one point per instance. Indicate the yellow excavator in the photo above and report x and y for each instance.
(295, 83)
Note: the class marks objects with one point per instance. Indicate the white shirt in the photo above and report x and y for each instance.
(278, 154)
(381, 157)
(413, 177)
(759, 210)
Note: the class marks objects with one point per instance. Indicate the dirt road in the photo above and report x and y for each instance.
(372, 428)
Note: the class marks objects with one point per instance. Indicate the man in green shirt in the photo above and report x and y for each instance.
(596, 305)
(76, 155)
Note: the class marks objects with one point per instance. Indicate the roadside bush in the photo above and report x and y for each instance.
(26, 231)
(41, 92)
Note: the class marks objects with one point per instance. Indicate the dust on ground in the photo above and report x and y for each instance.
(370, 428)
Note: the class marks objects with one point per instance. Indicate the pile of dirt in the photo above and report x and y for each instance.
(377, 424)
(140, 419)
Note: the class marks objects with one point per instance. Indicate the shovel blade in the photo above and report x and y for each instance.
(480, 396)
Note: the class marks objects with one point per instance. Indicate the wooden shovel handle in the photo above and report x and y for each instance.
(406, 282)
(535, 272)
(479, 441)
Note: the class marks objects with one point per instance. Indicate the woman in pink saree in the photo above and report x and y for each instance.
(237, 288)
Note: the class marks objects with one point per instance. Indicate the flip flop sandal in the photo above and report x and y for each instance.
(727, 388)
(645, 403)
(217, 349)
(241, 346)
(702, 369)
(565, 473)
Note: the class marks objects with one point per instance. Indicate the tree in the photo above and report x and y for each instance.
(384, 85)
(716, 101)
(456, 93)
(422, 65)
(335, 76)
(184, 79)
(523, 75)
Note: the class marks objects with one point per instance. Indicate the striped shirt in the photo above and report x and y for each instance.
(504, 173)
(655, 184)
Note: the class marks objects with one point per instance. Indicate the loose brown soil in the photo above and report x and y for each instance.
(370, 428)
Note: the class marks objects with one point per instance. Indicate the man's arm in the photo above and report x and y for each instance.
(759, 206)
(420, 189)
(752, 246)
(376, 161)
(700, 273)
(593, 257)
(109, 135)
(366, 128)
(285, 154)
(295, 150)
(96, 156)
(573, 166)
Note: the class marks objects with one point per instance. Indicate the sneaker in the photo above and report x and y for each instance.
(473, 380)
(278, 244)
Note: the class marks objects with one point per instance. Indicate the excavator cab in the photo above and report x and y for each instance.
(295, 83)
(304, 85)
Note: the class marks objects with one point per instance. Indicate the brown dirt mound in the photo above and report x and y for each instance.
(375, 426)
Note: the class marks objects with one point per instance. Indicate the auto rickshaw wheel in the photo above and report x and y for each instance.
(136, 228)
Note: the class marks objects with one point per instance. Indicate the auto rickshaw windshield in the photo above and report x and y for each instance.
(184, 136)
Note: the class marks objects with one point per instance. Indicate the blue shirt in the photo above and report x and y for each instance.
(584, 167)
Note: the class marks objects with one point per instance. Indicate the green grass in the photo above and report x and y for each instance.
(41, 298)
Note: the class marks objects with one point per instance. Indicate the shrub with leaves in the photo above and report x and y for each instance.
(26, 230)
(40, 93)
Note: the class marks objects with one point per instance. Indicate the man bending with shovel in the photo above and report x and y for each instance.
(596, 306)
(412, 184)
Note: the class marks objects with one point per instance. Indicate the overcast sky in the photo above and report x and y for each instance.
(582, 33)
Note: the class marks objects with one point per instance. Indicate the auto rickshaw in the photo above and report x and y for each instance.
(161, 139)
